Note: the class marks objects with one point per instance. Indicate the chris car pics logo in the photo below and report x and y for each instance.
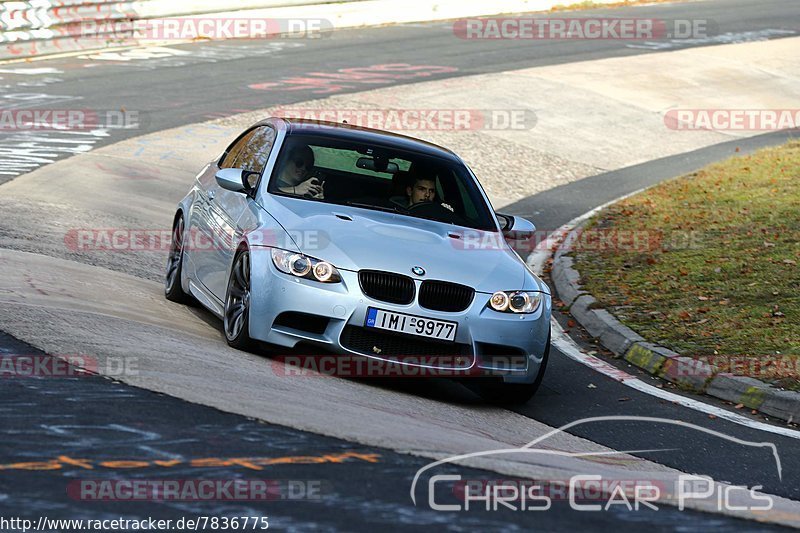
(635, 490)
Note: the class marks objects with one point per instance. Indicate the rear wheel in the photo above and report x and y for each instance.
(236, 318)
(172, 282)
(497, 392)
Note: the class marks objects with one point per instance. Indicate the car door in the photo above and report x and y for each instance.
(230, 213)
(205, 218)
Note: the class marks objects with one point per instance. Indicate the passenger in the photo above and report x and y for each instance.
(294, 177)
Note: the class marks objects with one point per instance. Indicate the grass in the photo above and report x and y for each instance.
(714, 271)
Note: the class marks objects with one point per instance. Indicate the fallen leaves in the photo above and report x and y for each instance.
(716, 286)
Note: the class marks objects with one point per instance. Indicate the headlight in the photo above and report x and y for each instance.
(515, 301)
(299, 265)
(302, 266)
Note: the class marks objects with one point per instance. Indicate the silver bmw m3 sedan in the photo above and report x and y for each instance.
(361, 243)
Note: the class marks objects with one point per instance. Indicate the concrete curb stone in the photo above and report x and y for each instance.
(687, 373)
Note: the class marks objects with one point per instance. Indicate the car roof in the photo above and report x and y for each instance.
(365, 135)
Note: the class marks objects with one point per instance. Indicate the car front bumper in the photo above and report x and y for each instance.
(333, 316)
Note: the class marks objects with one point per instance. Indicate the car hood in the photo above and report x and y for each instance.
(362, 239)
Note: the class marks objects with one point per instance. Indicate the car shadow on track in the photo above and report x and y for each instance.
(432, 388)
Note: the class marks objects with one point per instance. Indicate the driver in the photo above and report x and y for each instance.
(419, 190)
(422, 190)
(413, 186)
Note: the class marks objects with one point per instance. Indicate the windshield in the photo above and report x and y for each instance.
(382, 178)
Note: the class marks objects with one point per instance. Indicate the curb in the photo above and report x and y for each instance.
(688, 374)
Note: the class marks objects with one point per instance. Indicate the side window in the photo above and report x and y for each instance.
(469, 206)
(254, 154)
(230, 157)
(251, 151)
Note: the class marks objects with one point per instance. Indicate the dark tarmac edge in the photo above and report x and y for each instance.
(61, 431)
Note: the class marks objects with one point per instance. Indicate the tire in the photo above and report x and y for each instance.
(236, 317)
(173, 290)
(496, 392)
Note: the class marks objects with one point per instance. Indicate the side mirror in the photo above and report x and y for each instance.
(235, 179)
(517, 225)
(517, 232)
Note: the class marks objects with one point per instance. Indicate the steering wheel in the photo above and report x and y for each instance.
(434, 211)
(419, 205)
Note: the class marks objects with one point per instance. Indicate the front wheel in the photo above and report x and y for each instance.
(236, 319)
(496, 392)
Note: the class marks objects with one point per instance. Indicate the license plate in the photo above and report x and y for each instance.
(412, 325)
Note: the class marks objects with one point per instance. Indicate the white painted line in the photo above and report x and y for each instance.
(567, 346)
(31, 71)
(725, 38)
(543, 250)
(564, 343)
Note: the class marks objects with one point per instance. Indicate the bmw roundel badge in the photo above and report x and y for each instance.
(418, 270)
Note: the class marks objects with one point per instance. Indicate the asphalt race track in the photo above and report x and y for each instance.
(363, 480)
(186, 84)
